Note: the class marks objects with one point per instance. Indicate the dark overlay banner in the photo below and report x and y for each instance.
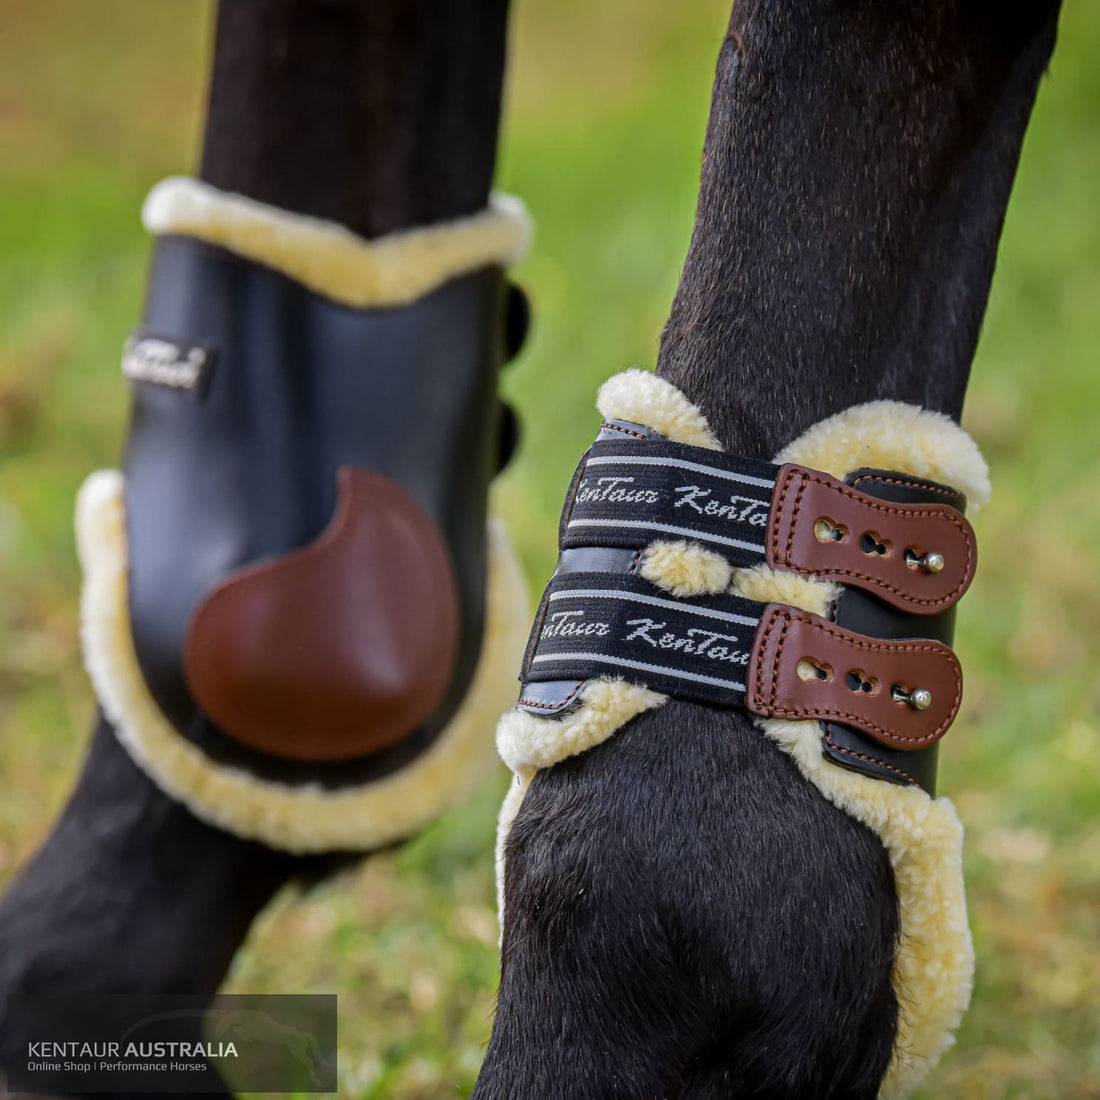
(87, 1044)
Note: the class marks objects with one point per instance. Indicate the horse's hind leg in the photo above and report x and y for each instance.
(685, 915)
(379, 116)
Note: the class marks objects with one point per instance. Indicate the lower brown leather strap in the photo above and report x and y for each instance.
(902, 694)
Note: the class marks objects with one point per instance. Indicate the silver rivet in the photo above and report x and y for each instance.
(918, 698)
(932, 562)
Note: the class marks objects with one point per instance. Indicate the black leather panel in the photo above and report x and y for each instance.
(865, 614)
(299, 387)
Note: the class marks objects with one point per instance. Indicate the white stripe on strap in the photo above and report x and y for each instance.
(683, 464)
(668, 528)
(654, 601)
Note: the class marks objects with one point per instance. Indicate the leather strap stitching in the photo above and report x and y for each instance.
(862, 756)
(561, 705)
(908, 513)
(948, 495)
(834, 608)
(625, 431)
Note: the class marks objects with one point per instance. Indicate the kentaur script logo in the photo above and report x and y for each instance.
(165, 363)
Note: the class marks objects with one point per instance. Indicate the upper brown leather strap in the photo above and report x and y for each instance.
(805, 667)
(819, 526)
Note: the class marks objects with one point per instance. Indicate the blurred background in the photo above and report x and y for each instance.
(607, 105)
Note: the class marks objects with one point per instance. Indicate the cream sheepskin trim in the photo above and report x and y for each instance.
(391, 270)
(935, 961)
(309, 819)
(888, 435)
(527, 742)
(685, 568)
(933, 971)
(763, 584)
(643, 398)
(934, 967)
(513, 798)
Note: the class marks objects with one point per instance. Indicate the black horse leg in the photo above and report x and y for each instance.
(379, 114)
(856, 172)
(685, 916)
(376, 114)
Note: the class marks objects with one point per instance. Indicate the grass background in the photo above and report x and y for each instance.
(607, 107)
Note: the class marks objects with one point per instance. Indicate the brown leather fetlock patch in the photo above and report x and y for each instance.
(341, 648)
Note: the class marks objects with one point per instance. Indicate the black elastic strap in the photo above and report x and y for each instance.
(602, 624)
(632, 492)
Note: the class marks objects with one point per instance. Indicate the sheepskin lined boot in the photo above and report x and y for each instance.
(753, 605)
(297, 613)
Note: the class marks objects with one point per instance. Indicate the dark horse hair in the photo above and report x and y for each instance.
(686, 916)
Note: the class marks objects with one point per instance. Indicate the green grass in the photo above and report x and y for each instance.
(608, 104)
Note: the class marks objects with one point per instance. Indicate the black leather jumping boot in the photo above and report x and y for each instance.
(298, 614)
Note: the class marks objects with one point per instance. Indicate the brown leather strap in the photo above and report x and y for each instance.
(820, 526)
(805, 667)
